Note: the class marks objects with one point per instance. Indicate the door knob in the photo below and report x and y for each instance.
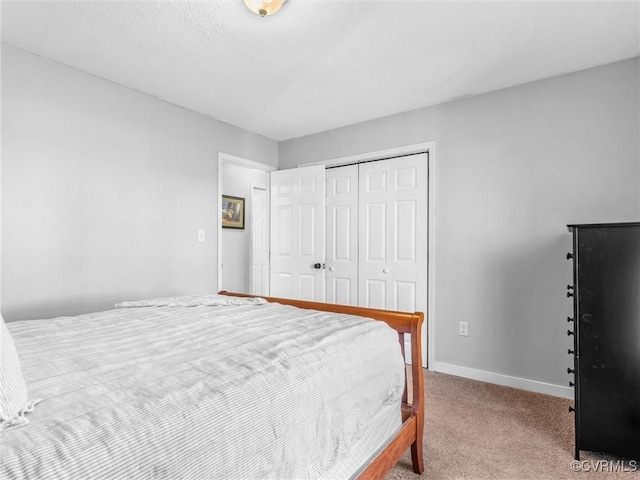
(331, 269)
(317, 266)
(386, 270)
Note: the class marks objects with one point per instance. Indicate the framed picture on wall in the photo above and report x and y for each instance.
(232, 212)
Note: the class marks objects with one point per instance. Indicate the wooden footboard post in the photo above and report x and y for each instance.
(417, 454)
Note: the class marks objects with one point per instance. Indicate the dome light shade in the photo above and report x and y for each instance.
(264, 8)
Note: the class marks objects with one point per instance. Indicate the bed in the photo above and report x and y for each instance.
(217, 386)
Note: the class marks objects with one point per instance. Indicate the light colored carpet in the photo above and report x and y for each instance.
(476, 430)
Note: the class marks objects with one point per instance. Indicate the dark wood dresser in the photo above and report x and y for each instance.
(606, 331)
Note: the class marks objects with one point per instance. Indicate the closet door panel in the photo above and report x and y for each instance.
(375, 294)
(393, 237)
(405, 296)
(341, 265)
(342, 289)
(376, 228)
(405, 231)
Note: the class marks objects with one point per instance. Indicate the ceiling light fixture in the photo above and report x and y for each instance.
(264, 8)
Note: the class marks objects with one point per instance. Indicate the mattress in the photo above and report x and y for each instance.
(191, 390)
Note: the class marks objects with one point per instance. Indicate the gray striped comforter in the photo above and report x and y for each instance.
(203, 392)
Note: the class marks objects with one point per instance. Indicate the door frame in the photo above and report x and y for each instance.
(429, 147)
(225, 158)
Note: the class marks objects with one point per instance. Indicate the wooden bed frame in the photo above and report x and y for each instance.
(411, 432)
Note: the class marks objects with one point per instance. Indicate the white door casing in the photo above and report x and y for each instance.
(342, 235)
(259, 274)
(298, 233)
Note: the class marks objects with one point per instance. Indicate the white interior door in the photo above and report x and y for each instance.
(298, 233)
(342, 235)
(259, 241)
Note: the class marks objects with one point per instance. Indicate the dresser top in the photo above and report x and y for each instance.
(602, 225)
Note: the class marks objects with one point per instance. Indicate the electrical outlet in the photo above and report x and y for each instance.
(463, 329)
(201, 235)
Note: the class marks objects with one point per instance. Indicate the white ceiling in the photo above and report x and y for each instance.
(316, 66)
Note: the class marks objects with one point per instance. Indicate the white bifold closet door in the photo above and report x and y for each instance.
(377, 234)
(342, 235)
(373, 252)
(392, 259)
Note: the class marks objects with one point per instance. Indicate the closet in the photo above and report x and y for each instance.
(606, 333)
(354, 234)
(376, 246)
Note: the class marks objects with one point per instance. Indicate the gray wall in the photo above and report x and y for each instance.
(104, 190)
(513, 168)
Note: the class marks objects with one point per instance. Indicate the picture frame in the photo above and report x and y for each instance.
(232, 212)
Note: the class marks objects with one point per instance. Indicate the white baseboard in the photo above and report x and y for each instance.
(505, 380)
